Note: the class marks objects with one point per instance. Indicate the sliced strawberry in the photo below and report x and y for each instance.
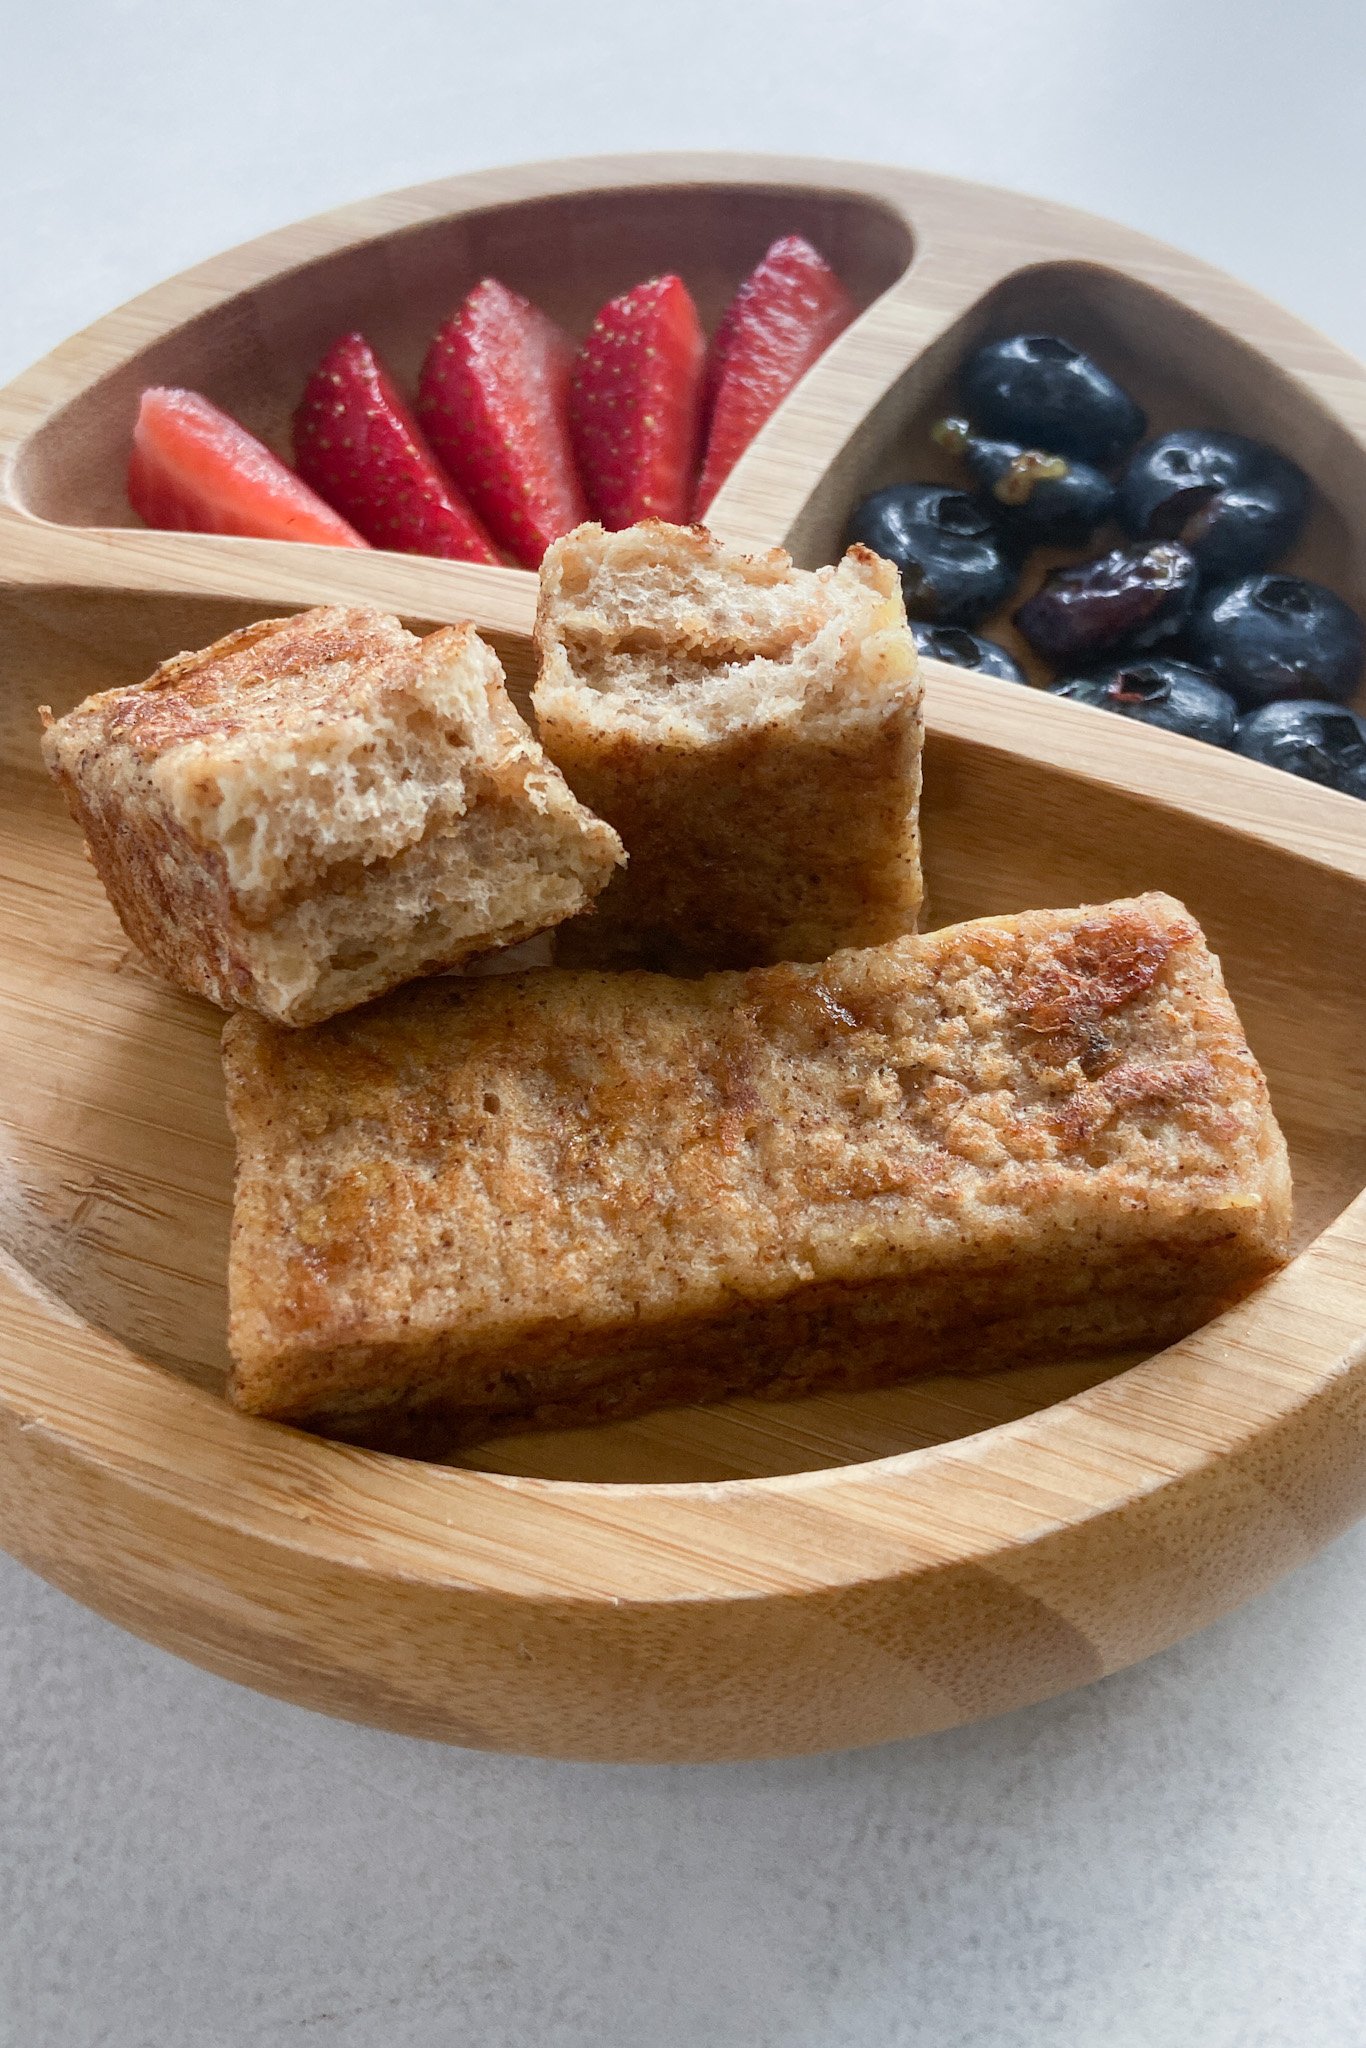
(494, 399)
(357, 443)
(635, 404)
(193, 469)
(785, 314)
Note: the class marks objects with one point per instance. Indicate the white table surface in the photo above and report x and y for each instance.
(1171, 1859)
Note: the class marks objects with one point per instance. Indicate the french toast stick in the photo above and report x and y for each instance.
(752, 731)
(550, 1199)
(317, 808)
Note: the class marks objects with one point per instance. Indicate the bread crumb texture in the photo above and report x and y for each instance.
(561, 1196)
(752, 730)
(315, 809)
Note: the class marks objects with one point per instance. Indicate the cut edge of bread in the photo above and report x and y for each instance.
(669, 632)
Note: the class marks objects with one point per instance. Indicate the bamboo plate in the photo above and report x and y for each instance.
(758, 1579)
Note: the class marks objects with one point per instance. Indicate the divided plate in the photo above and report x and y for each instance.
(763, 1578)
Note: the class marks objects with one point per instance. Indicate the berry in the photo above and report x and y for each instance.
(1278, 636)
(954, 565)
(635, 405)
(1235, 504)
(1131, 598)
(359, 446)
(1152, 691)
(1324, 742)
(785, 314)
(494, 400)
(193, 469)
(1037, 498)
(1041, 392)
(966, 650)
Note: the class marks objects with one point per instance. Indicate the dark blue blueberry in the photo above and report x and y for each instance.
(1235, 504)
(1156, 691)
(966, 650)
(1127, 600)
(1278, 636)
(1037, 499)
(1324, 742)
(954, 565)
(1042, 393)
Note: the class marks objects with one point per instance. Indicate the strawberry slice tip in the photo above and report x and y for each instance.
(635, 404)
(493, 398)
(195, 469)
(358, 445)
(785, 314)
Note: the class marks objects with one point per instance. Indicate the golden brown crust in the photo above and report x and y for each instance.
(753, 733)
(303, 666)
(314, 809)
(562, 1195)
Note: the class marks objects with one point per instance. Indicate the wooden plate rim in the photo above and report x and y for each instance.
(885, 1519)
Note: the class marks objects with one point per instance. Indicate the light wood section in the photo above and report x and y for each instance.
(760, 1578)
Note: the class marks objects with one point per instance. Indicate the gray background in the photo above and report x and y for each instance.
(1171, 1858)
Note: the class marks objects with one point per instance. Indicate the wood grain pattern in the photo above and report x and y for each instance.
(761, 1578)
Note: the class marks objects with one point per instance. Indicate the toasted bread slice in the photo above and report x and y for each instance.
(753, 733)
(565, 1196)
(315, 809)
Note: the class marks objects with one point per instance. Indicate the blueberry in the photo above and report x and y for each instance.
(1169, 694)
(966, 650)
(1278, 636)
(1131, 599)
(1043, 393)
(1235, 504)
(1036, 498)
(954, 566)
(1321, 741)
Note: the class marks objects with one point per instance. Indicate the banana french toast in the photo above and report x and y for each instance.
(566, 1196)
(315, 809)
(752, 731)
